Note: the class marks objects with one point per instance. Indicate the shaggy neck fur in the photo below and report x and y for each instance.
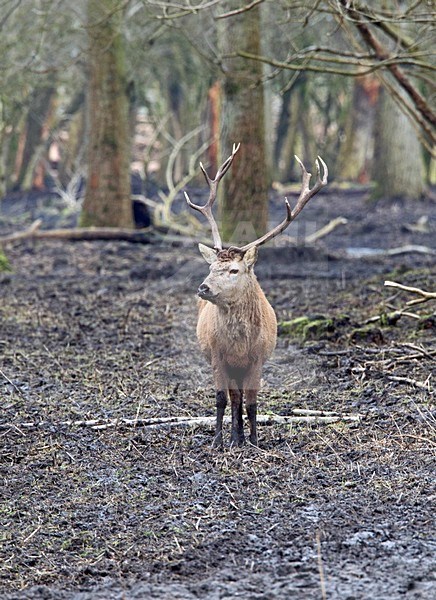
(238, 317)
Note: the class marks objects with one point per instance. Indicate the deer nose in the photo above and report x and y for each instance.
(203, 290)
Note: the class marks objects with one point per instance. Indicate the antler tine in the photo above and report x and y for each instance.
(206, 210)
(305, 195)
(273, 233)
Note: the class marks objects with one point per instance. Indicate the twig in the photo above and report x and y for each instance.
(424, 386)
(318, 234)
(239, 11)
(16, 388)
(429, 355)
(30, 536)
(357, 253)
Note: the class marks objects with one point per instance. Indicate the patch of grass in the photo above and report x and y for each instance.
(4, 263)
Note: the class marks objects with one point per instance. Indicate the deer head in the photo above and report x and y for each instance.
(231, 269)
(231, 274)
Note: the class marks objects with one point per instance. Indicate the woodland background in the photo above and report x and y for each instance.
(97, 89)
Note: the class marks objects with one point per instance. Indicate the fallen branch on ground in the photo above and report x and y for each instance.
(419, 384)
(425, 296)
(377, 252)
(78, 233)
(317, 235)
(302, 416)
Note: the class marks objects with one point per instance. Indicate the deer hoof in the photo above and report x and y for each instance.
(217, 443)
(237, 440)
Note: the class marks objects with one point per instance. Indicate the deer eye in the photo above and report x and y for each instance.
(234, 271)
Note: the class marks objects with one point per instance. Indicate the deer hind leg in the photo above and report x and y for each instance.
(251, 405)
(237, 438)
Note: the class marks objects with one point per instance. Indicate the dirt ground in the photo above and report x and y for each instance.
(105, 331)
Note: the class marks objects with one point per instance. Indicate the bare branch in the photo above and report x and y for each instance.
(425, 296)
(241, 10)
(383, 55)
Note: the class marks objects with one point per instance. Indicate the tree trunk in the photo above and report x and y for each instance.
(398, 164)
(40, 105)
(356, 151)
(244, 194)
(107, 200)
(286, 163)
(282, 131)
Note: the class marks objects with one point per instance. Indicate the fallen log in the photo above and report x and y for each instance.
(301, 416)
(34, 232)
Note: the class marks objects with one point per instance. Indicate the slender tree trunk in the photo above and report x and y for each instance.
(286, 162)
(398, 165)
(40, 105)
(244, 200)
(356, 151)
(107, 199)
(282, 130)
(213, 118)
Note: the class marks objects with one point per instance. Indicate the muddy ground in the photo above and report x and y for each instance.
(106, 330)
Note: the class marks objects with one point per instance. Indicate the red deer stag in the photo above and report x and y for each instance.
(237, 326)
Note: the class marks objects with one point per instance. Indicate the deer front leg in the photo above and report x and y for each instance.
(221, 394)
(221, 403)
(251, 387)
(237, 438)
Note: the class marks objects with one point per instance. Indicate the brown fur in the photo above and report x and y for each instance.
(240, 335)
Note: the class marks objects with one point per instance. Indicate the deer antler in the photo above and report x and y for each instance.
(206, 210)
(305, 195)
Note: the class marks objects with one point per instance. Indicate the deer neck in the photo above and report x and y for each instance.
(245, 307)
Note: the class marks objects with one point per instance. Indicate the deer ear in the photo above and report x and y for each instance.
(207, 253)
(250, 256)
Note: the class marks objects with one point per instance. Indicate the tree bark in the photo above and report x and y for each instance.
(398, 164)
(357, 148)
(40, 105)
(107, 200)
(286, 166)
(244, 194)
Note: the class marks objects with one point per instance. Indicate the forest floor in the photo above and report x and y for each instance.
(105, 331)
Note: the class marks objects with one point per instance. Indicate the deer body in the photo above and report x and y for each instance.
(237, 326)
(239, 336)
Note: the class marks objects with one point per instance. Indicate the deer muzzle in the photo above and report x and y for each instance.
(205, 292)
